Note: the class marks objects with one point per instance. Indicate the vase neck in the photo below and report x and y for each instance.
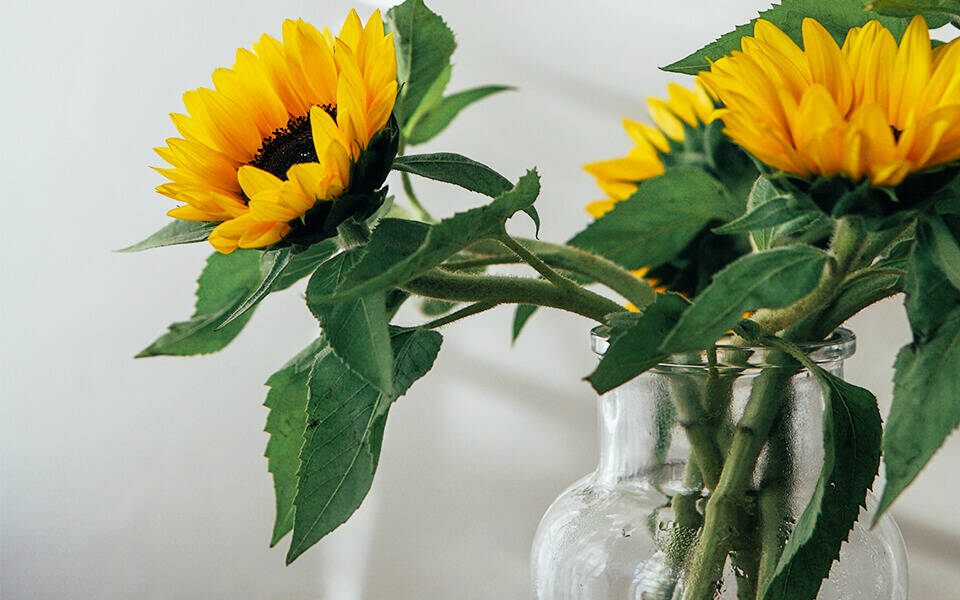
(643, 423)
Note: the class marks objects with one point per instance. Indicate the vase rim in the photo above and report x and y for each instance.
(840, 344)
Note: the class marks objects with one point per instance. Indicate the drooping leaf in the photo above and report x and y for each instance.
(851, 443)
(176, 232)
(769, 279)
(287, 401)
(659, 219)
(837, 16)
(424, 46)
(356, 328)
(926, 406)
(520, 318)
(226, 280)
(344, 431)
(635, 341)
(933, 232)
(442, 241)
(438, 117)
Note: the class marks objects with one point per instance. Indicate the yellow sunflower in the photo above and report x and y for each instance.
(618, 177)
(870, 109)
(280, 130)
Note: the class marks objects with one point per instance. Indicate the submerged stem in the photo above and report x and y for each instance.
(721, 516)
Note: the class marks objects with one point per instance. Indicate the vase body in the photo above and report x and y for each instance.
(614, 535)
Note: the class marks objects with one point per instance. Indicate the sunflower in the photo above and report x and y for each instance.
(618, 177)
(281, 130)
(869, 109)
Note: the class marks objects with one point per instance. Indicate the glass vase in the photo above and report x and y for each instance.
(626, 530)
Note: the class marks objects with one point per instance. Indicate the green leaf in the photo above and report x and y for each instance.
(391, 242)
(438, 117)
(764, 210)
(456, 169)
(937, 12)
(635, 341)
(851, 446)
(933, 232)
(837, 16)
(520, 318)
(424, 46)
(225, 282)
(947, 198)
(430, 99)
(769, 279)
(272, 264)
(432, 307)
(287, 401)
(387, 266)
(304, 263)
(279, 269)
(357, 328)
(762, 192)
(930, 295)
(659, 220)
(176, 232)
(926, 406)
(344, 431)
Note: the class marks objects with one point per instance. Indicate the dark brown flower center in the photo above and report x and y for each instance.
(289, 145)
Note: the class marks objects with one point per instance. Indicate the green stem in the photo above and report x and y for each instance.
(771, 504)
(591, 266)
(820, 324)
(538, 265)
(693, 419)
(511, 290)
(414, 201)
(466, 311)
(846, 247)
(684, 504)
(487, 261)
(746, 563)
(721, 516)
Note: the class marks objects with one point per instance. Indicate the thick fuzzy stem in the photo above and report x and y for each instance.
(567, 258)
(511, 290)
(846, 247)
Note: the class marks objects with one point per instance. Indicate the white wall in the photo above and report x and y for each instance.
(145, 479)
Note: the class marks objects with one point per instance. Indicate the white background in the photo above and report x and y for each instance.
(145, 479)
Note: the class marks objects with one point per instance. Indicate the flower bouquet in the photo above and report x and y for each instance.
(809, 169)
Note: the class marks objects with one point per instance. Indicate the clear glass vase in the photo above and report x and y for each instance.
(625, 531)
